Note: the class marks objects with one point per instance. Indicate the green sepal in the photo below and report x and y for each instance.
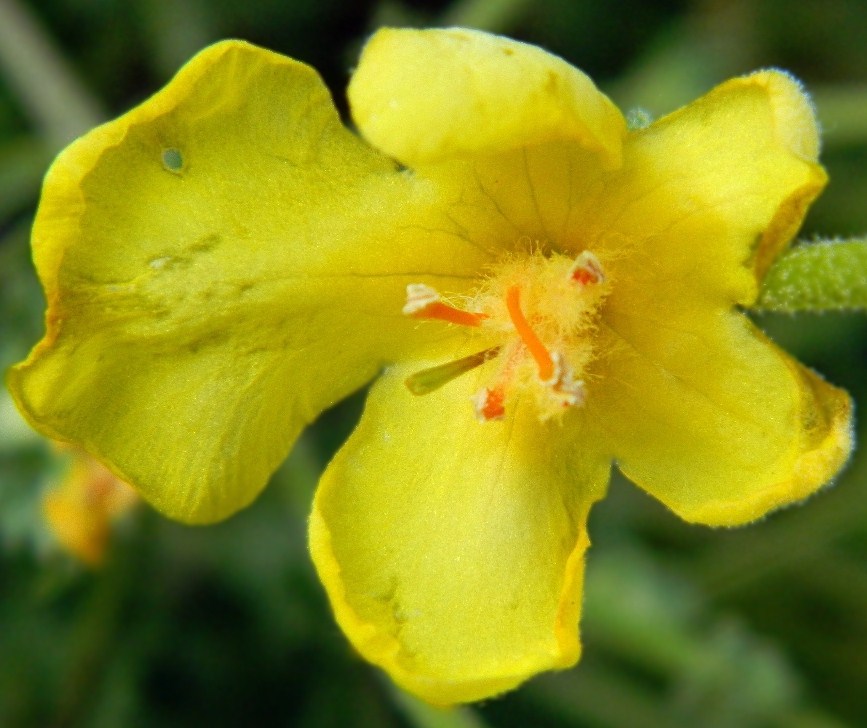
(817, 276)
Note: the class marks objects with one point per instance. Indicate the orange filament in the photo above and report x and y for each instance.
(443, 312)
(528, 336)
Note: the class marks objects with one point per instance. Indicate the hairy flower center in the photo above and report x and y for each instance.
(535, 315)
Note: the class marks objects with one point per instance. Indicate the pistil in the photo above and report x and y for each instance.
(544, 360)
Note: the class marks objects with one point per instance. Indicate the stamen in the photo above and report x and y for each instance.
(537, 317)
(587, 269)
(547, 368)
(570, 391)
(489, 404)
(423, 302)
(429, 380)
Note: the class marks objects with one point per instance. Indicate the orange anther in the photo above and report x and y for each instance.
(587, 269)
(583, 277)
(547, 368)
(489, 404)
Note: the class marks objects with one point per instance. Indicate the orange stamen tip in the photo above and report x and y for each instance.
(489, 404)
(547, 368)
(423, 302)
(587, 270)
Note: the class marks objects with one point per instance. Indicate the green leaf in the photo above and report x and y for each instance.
(818, 276)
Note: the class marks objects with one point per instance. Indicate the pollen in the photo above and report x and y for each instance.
(534, 317)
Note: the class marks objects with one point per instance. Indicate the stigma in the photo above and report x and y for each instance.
(534, 316)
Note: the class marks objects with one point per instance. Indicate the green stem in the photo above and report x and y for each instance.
(45, 84)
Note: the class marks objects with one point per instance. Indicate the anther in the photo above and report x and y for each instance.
(587, 270)
(570, 391)
(429, 380)
(489, 404)
(424, 302)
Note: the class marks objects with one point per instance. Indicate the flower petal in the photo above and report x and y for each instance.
(427, 95)
(699, 408)
(709, 195)
(711, 418)
(522, 200)
(82, 508)
(220, 264)
(452, 550)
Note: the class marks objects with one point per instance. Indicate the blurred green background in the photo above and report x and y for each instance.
(227, 625)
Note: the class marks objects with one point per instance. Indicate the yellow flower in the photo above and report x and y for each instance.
(83, 507)
(541, 292)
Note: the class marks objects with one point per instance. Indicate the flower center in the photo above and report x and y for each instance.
(536, 316)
